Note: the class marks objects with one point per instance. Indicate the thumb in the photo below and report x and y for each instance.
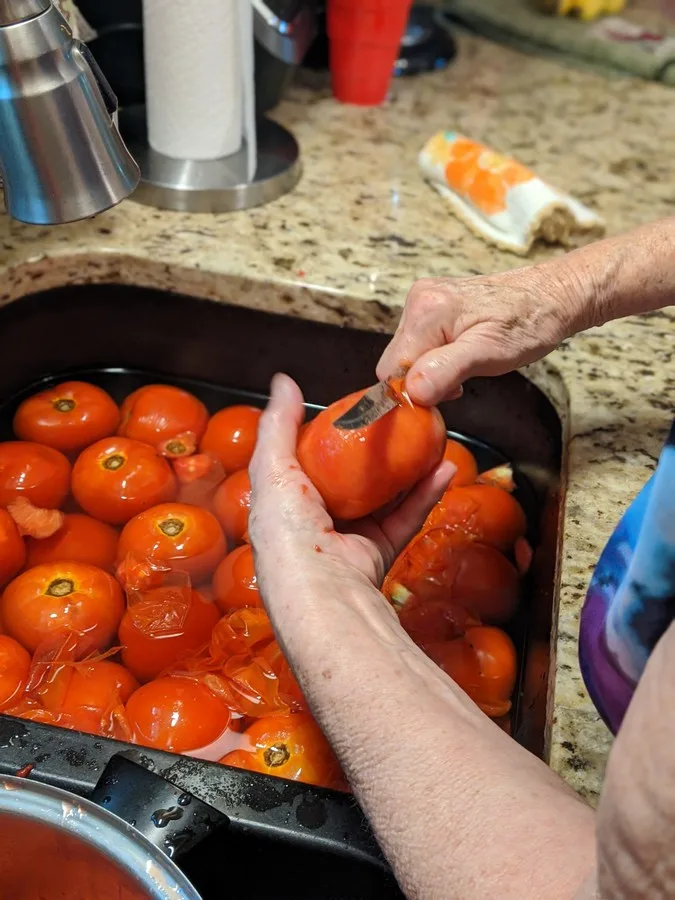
(279, 424)
(439, 374)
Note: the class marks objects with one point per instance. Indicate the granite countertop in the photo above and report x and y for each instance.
(361, 226)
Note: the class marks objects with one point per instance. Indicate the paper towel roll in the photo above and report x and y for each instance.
(197, 76)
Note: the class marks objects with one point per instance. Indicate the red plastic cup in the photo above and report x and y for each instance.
(365, 38)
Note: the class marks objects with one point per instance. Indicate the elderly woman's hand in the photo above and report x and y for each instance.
(453, 329)
(290, 528)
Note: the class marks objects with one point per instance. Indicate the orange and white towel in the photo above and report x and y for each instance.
(499, 199)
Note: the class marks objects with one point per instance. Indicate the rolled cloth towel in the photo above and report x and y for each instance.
(499, 199)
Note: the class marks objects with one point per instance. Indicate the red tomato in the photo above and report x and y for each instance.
(12, 548)
(147, 655)
(158, 412)
(67, 417)
(433, 621)
(441, 564)
(96, 686)
(241, 632)
(231, 504)
(290, 746)
(463, 458)
(14, 667)
(289, 689)
(358, 471)
(176, 714)
(484, 664)
(40, 474)
(187, 537)
(234, 581)
(231, 435)
(80, 539)
(117, 478)
(487, 513)
(59, 597)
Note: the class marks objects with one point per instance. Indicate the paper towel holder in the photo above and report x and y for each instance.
(212, 186)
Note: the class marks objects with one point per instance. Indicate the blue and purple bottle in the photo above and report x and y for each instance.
(631, 598)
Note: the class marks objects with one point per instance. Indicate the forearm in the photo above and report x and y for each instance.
(626, 275)
(458, 807)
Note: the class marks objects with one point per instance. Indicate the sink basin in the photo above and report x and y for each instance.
(282, 826)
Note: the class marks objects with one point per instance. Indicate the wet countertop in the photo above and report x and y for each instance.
(361, 226)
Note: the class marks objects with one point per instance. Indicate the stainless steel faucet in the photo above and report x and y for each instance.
(61, 155)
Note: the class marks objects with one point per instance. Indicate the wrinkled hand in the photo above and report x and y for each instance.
(453, 329)
(293, 535)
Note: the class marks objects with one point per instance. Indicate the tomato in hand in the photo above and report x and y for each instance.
(14, 667)
(80, 539)
(230, 436)
(176, 714)
(234, 581)
(290, 746)
(358, 471)
(12, 548)
(67, 417)
(116, 479)
(483, 663)
(463, 458)
(40, 474)
(187, 537)
(58, 597)
(231, 504)
(483, 511)
(147, 655)
(159, 412)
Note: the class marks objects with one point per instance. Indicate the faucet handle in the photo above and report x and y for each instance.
(87, 60)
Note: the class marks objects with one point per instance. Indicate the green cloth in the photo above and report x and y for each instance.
(519, 24)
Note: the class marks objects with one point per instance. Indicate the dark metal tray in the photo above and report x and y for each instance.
(285, 840)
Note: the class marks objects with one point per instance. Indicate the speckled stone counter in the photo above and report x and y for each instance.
(361, 226)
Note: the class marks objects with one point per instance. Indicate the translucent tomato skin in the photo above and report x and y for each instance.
(158, 412)
(231, 505)
(96, 685)
(230, 436)
(287, 746)
(464, 460)
(117, 478)
(56, 598)
(80, 539)
(358, 471)
(176, 714)
(235, 584)
(148, 656)
(486, 512)
(185, 536)
(15, 664)
(12, 549)
(67, 417)
(40, 474)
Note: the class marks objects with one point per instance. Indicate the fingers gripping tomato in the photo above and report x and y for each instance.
(361, 470)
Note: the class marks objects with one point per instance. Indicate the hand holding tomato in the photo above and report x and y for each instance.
(290, 527)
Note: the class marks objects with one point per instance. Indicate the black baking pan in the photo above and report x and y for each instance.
(282, 839)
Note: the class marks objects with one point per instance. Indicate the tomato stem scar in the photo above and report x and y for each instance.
(114, 462)
(171, 527)
(64, 405)
(276, 755)
(60, 587)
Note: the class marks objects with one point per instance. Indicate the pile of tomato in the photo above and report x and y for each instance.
(129, 604)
